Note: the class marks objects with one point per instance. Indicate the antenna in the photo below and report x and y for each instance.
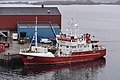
(75, 25)
(36, 33)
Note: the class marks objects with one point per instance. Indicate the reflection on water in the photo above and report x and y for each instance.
(74, 71)
(89, 70)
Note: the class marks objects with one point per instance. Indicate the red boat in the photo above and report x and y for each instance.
(2, 47)
(4, 43)
(67, 49)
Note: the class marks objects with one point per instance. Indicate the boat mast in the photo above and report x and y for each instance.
(51, 26)
(53, 31)
(36, 33)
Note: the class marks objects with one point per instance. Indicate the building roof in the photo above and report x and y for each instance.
(39, 25)
(29, 11)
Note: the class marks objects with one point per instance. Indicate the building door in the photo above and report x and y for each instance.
(22, 34)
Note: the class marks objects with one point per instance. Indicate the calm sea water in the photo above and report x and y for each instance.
(103, 22)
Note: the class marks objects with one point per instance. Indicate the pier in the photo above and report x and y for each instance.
(11, 55)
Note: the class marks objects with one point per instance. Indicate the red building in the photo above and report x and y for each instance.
(9, 16)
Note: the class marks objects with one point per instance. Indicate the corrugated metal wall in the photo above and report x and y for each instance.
(42, 32)
(9, 22)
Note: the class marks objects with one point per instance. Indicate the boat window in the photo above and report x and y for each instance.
(73, 40)
(67, 46)
(73, 46)
(96, 45)
(92, 46)
(67, 40)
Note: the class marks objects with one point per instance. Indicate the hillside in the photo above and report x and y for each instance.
(48, 2)
(118, 2)
(59, 2)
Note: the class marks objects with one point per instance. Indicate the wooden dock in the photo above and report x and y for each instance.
(10, 60)
(11, 55)
(7, 57)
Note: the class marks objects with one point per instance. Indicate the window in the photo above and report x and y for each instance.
(73, 46)
(67, 46)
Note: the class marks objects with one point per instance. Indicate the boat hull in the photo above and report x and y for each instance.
(75, 57)
(2, 48)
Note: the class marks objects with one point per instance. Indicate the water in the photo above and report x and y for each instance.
(75, 71)
(103, 22)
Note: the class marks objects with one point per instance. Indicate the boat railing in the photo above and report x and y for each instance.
(100, 47)
(24, 50)
(28, 51)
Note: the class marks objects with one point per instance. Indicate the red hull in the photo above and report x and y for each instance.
(76, 57)
(95, 64)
